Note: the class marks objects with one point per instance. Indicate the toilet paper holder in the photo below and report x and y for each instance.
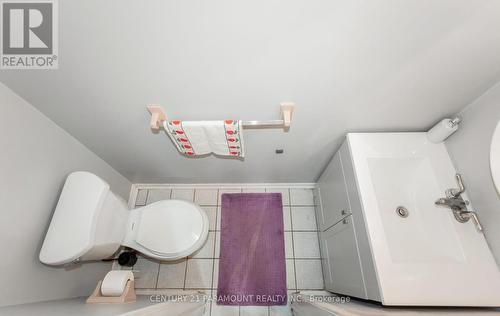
(127, 295)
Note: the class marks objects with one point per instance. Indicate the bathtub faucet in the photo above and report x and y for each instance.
(458, 205)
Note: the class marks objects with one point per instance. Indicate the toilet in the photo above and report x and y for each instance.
(92, 223)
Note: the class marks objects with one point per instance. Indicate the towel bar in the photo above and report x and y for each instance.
(158, 116)
(258, 124)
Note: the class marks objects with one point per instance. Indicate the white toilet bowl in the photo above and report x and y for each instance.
(91, 223)
(167, 230)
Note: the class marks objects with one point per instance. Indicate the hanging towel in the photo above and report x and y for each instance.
(197, 138)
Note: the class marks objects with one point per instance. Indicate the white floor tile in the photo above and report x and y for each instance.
(207, 250)
(141, 197)
(227, 190)
(309, 275)
(290, 275)
(212, 216)
(183, 194)
(172, 274)
(206, 196)
(146, 273)
(288, 245)
(285, 196)
(217, 245)
(207, 309)
(254, 311)
(306, 245)
(219, 214)
(253, 190)
(303, 218)
(199, 273)
(301, 197)
(287, 222)
(215, 282)
(156, 195)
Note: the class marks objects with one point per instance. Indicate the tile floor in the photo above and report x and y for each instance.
(200, 270)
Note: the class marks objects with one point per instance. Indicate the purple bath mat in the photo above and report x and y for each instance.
(252, 267)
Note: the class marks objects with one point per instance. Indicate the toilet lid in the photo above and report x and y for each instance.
(170, 226)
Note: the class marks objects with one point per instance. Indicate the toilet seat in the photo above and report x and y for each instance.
(167, 230)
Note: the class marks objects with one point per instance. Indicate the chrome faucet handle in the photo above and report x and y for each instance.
(476, 221)
(461, 187)
(475, 218)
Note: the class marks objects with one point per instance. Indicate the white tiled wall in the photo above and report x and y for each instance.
(200, 270)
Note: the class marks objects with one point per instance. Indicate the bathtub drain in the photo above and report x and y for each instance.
(402, 211)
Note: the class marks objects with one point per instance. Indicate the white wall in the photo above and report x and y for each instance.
(470, 150)
(350, 66)
(35, 157)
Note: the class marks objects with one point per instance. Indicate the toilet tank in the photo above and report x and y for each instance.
(88, 223)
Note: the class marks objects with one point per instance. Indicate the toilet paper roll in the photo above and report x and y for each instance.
(114, 282)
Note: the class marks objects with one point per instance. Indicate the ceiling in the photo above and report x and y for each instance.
(348, 65)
